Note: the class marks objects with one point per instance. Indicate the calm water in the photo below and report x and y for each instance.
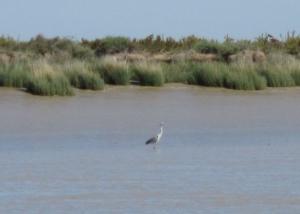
(222, 152)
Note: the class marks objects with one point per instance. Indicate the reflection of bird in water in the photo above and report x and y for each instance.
(155, 140)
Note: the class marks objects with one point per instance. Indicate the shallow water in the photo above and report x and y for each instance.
(222, 151)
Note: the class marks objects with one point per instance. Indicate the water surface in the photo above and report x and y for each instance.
(222, 151)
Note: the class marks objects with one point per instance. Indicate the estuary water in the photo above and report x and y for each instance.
(223, 151)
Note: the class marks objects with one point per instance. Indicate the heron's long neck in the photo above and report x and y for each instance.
(161, 130)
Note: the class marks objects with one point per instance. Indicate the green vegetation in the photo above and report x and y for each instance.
(46, 81)
(227, 76)
(80, 76)
(244, 80)
(113, 72)
(278, 78)
(296, 76)
(49, 85)
(14, 75)
(109, 45)
(148, 74)
(176, 72)
(208, 74)
(52, 66)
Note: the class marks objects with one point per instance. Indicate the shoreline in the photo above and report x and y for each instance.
(166, 87)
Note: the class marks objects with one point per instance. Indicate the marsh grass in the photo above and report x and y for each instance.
(48, 76)
(14, 75)
(296, 76)
(277, 78)
(80, 76)
(48, 82)
(148, 74)
(227, 76)
(280, 70)
(113, 72)
(207, 74)
(244, 80)
(176, 72)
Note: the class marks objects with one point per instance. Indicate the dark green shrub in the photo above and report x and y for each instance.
(223, 50)
(109, 45)
(207, 46)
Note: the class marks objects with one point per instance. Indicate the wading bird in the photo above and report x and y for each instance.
(155, 140)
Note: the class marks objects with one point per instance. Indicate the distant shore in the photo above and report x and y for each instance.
(55, 66)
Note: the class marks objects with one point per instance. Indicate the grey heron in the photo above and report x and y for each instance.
(155, 140)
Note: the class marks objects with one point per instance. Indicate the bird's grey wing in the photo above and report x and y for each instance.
(151, 140)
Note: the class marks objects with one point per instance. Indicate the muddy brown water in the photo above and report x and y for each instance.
(223, 151)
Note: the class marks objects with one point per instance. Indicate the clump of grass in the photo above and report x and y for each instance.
(48, 82)
(148, 74)
(278, 70)
(175, 72)
(114, 72)
(207, 74)
(244, 80)
(14, 75)
(227, 76)
(296, 76)
(80, 76)
(277, 77)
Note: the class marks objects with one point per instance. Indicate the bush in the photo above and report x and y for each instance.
(81, 52)
(292, 44)
(207, 46)
(109, 45)
(223, 50)
(7, 43)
